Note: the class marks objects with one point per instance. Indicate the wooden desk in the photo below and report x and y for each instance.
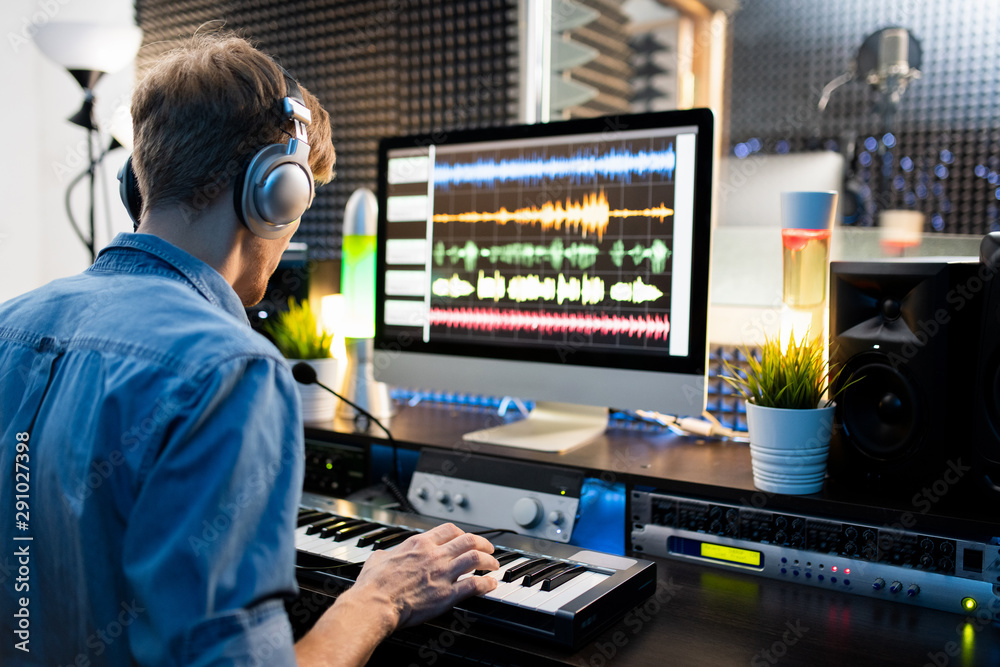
(703, 615)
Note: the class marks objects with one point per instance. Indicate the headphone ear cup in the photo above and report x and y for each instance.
(275, 191)
(128, 190)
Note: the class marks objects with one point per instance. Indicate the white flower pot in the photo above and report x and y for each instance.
(789, 448)
(318, 405)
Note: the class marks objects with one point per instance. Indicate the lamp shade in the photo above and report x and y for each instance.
(97, 47)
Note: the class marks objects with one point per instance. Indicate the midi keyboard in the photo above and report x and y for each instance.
(547, 590)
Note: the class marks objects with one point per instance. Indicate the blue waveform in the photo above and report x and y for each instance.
(582, 167)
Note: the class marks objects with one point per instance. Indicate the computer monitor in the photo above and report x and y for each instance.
(565, 263)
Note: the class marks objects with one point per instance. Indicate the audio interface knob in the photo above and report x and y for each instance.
(442, 497)
(527, 512)
(461, 500)
(556, 518)
(422, 493)
(895, 587)
(878, 584)
(912, 590)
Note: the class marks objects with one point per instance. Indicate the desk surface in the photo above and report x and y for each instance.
(702, 615)
(710, 468)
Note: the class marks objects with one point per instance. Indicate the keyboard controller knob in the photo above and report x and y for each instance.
(556, 518)
(527, 512)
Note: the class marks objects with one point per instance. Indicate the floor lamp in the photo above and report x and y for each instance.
(88, 51)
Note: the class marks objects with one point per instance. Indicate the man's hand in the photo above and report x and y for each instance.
(400, 587)
(418, 578)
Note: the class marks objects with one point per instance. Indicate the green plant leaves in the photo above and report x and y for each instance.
(794, 378)
(297, 333)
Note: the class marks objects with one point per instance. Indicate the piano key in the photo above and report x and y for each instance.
(545, 573)
(334, 530)
(369, 539)
(550, 601)
(317, 526)
(561, 578)
(305, 519)
(355, 531)
(392, 540)
(523, 569)
(503, 558)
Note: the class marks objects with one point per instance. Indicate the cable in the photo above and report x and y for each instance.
(693, 425)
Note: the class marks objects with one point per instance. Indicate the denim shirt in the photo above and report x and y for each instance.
(151, 464)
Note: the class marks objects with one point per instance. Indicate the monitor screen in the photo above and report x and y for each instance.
(556, 262)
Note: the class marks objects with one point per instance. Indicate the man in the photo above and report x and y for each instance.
(150, 441)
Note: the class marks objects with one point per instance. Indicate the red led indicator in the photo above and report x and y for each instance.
(847, 571)
(833, 568)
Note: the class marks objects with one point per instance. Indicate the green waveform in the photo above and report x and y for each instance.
(635, 291)
(578, 255)
(657, 253)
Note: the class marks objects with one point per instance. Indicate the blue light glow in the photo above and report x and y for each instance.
(888, 139)
(741, 150)
(871, 144)
(906, 163)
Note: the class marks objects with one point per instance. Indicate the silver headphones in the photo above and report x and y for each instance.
(273, 190)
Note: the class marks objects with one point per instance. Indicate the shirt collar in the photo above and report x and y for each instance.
(205, 279)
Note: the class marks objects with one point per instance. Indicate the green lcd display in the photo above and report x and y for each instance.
(730, 554)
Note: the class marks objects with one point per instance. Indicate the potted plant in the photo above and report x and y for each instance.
(298, 335)
(789, 415)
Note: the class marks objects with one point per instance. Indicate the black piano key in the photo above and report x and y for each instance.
(317, 526)
(523, 569)
(370, 539)
(558, 580)
(392, 540)
(330, 530)
(545, 573)
(312, 517)
(503, 557)
(354, 531)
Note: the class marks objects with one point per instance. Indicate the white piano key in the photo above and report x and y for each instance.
(515, 597)
(550, 601)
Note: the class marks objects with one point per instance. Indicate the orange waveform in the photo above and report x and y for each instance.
(591, 216)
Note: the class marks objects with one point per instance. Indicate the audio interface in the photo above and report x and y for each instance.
(527, 498)
(934, 571)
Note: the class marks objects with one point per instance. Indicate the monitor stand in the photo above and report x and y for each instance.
(550, 427)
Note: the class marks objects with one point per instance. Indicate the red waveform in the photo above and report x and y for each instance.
(489, 319)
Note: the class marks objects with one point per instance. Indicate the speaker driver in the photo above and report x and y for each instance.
(881, 412)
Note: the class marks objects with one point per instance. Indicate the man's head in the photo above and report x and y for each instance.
(199, 114)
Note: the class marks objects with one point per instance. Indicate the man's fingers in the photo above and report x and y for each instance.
(473, 560)
(474, 586)
(468, 542)
(444, 533)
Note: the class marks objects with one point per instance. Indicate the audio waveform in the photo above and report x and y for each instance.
(635, 291)
(533, 288)
(453, 287)
(657, 253)
(618, 162)
(590, 216)
(578, 255)
(490, 319)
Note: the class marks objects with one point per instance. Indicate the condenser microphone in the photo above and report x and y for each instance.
(306, 374)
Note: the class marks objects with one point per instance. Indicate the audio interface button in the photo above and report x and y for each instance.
(422, 493)
(527, 512)
(556, 518)
(442, 497)
(461, 500)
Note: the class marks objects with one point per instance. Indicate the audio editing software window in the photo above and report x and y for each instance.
(534, 241)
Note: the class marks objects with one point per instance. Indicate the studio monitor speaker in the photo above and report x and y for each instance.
(906, 332)
(987, 435)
